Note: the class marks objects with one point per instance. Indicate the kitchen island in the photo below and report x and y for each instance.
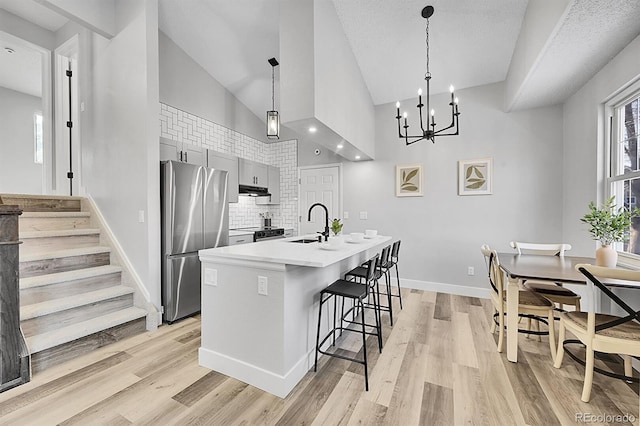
(268, 340)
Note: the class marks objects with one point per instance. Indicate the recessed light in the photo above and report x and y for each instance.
(340, 146)
(312, 129)
(357, 157)
(9, 50)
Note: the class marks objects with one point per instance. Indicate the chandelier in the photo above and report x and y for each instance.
(273, 119)
(430, 132)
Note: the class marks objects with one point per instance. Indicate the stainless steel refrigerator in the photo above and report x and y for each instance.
(195, 216)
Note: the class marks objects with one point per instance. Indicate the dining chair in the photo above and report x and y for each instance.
(601, 332)
(531, 304)
(552, 291)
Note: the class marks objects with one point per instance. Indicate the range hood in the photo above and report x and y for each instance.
(253, 191)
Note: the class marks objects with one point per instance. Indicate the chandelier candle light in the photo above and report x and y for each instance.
(273, 119)
(428, 133)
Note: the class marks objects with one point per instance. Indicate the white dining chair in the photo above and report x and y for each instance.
(552, 291)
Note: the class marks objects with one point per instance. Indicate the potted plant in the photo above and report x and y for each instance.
(609, 225)
(336, 226)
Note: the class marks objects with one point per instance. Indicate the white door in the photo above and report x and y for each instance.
(319, 185)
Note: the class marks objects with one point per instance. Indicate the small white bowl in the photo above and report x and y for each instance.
(357, 236)
(370, 233)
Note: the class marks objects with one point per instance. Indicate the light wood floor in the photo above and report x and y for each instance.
(439, 366)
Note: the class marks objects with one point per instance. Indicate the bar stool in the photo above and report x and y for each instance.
(393, 261)
(360, 273)
(358, 293)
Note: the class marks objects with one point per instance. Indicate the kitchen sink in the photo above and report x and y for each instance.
(304, 241)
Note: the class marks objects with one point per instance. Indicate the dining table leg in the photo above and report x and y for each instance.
(513, 293)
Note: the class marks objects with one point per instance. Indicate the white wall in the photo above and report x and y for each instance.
(584, 144)
(339, 82)
(442, 232)
(120, 136)
(18, 172)
(320, 80)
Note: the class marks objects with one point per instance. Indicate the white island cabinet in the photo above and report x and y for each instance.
(260, 306)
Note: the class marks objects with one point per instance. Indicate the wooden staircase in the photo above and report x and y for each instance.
(72, 300)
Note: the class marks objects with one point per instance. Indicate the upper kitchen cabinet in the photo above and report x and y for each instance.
(252, 173)
(273, 176)
(181, 151)
(221, 161)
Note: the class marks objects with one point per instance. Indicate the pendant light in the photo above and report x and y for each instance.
(428, 133)
(273, 119)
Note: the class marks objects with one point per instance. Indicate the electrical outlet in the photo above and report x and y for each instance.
(211, 277)
(345, 215)
(471, 270)
(262, 285)
(363, 215)
(141, 216)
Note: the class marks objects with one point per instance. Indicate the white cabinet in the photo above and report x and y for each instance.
(240, 239)
(273, 178)
(184, 152)
(252, 173)
(222, 161)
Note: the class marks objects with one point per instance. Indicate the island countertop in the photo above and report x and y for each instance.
(285, 251)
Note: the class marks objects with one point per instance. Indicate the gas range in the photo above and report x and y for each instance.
(261, 233)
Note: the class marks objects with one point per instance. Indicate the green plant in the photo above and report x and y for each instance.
(336, 226)
(609, 224)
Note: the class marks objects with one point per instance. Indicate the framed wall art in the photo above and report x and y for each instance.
(409, 178)
(475, 177)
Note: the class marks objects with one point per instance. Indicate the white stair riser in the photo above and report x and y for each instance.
(67, 317)
(52, 223)
(62, 264)
(38, 245)
(68, 288)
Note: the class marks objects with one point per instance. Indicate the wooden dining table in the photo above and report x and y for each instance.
(521, 267)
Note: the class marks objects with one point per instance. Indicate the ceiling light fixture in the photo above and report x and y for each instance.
(9, 50)
(428, 133)
(340, 146)
(273, 119)
(312, 129)
(357, 157)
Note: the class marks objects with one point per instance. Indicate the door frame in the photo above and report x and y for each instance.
(48, 178)
(340, 188)
(69, 50)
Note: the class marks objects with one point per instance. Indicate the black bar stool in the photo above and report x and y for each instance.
(393, 261)
(358, 293)
(360, 272)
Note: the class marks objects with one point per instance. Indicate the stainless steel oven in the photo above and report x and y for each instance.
(268, 234)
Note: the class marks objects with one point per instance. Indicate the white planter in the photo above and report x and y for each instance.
(606, 256)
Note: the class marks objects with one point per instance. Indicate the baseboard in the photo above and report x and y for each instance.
(460, 290)
(276, 384)
(130, 277)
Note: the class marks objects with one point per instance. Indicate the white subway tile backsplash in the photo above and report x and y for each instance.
(180, 125)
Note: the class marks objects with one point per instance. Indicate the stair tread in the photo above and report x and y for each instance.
(72, 332)
(54, 214)
(56, 305)
(58, 233)
(64, 253)
(59, 277)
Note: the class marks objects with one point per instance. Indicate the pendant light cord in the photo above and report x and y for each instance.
(273, 92)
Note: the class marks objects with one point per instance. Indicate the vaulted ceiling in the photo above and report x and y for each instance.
(472, 43)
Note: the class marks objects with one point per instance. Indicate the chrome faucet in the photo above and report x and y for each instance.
(326, 219)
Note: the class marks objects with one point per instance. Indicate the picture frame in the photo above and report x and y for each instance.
(409, 180)
(475, 177)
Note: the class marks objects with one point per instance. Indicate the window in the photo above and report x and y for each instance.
(37, 138)
(624, 180)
